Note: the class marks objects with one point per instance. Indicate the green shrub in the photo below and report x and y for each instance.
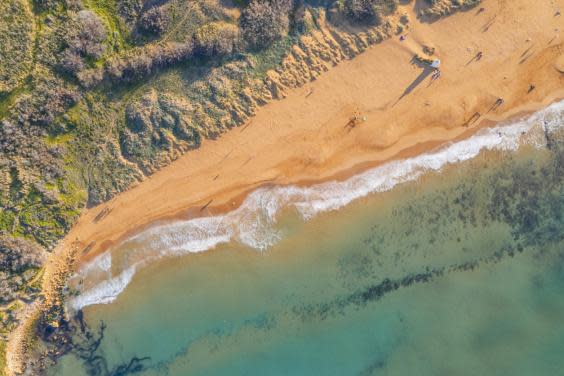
(155, 21)
(216, 38)
(85, 40)
(89, 37)
(369, 11)
(129, 10)
(263, 22)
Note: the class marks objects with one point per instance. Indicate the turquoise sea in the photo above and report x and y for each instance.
(453, 268)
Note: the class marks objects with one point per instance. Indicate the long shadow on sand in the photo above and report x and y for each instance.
(427, 70)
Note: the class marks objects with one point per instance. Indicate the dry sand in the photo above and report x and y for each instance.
(304, 138)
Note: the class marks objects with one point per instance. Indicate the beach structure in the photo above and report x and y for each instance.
(436, 63)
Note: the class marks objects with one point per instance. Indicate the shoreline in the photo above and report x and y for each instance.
(251, 222)
(231, 202)
(301, 140)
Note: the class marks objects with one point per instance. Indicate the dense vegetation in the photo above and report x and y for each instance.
(97, 94)
(17, 257)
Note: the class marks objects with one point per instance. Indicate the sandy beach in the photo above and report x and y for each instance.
(306, 137)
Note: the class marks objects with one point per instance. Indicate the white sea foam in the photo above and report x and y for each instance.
(104, 292)
(253, 222)
(102, 263)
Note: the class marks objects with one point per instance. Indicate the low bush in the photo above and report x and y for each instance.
(71, 61)
(129, 10)
(17, 255)
(137, 63)
(50, 98)
(45, 5)
(216, 38)
(88, 39)
(263, 22)
(369, 11)
(85, 39)
(155, 21)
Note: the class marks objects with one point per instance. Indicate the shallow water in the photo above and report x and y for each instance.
(459, 272)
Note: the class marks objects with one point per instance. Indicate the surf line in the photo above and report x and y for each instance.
(253, 223)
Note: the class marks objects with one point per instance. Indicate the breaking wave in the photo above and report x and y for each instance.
(253, 222)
